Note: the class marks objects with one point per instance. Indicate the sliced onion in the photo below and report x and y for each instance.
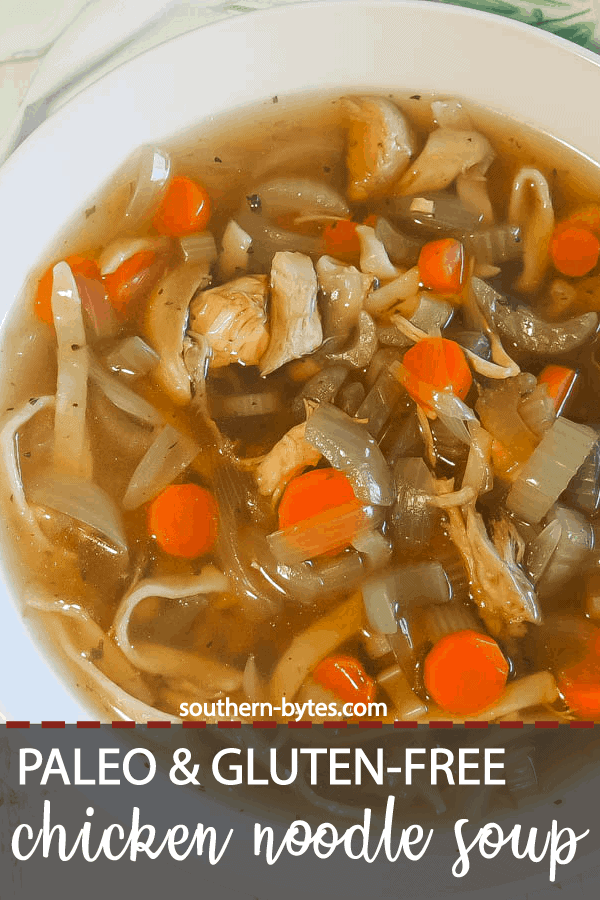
(132, 356)
(381, 597)
(584, 488)
(169, 455)
(573, 549)
(448, 618)
(435, 212)
(407, 705)
(10, 461)
(321, 579)
(541, 549)
(532, 690)
(269, 239)
(123, 248)
(402, 249)
(322, 387)
(379, 404)
(244, 405)
(413, 519)
(322, 533)
(350, 397)
(153, 170)
(303, 196)
(121, 396)
(344, 290)
(453, 413)
(199, 248)
(99, 315)
(403, 287)
(495, 246)
(551, 466)
(363, 346)
(349, 447)
(234, 256)
(432, 314)
(475, 341)
(71, 440)
(83, 501)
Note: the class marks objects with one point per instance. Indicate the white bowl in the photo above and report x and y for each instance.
(531, 75)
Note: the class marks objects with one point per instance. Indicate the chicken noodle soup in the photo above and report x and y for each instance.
(305, 408)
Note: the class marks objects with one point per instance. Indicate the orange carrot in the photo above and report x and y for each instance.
(580, 683)
(341, 239)
(435, 364)
(371, 220)
(131, 278)
(586, 217)
(574, 251)
(316, 492)
(185, 208)
(559, 381)
(442, 265)
(80, 265)
(345, 676)
(465, 672)
(183, 520)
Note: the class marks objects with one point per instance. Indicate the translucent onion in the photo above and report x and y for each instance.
(362, 347)
(169, 455)
(259, 404)
(551, 466)
(302, 196)
(153, 170)
(98, 313)
(407, 705)
(234, 256)
(268, 239)
(475, 341)
(584, 488)
(572, 551)
(350, 397)
(72, 453)
(448, 618)
(321, 579)
(349, 447)
(132, 356)
(379, 404)
(375, 547)
(12, 468)
(402, 249)
(344, 290)
(413, 519)
(495, 246)
(532, 690)
(322, 533)
(84, 502)
(123, 248)
(322, 387)
(121, 396)
(442, 213)
(537, 410)
(432, 313)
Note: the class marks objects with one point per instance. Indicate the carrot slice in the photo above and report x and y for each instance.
(465, 672)
(80, 265)
(559, 381)
(185, 208)
(371, 220)
(345, 676)
(587, 217)
(341, 238)
(131, 278)
(574, 251)
(183, 520)
(435, 364)
(442, 265)
(317, 492)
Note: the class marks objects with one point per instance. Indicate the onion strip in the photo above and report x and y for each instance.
(168, 455)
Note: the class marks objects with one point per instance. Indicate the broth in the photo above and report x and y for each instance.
(367, 523)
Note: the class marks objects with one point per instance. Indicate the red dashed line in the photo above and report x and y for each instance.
(581, 724)
(406, 724)
(300, 724)
(370, 724)
(228, 724)
(88, 724)
(161, 724)
(441, 724)
(264, 724)
(122, 724)
(193, 724)
(335, 724)
(53, 724)
(17, 724)
(546, 724)
(510, 724)
(476, 724)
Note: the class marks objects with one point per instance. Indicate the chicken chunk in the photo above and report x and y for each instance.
(380, 145)
(165, 325)
(295, 323)
(447, 154)
(288, 458)
(233, 318)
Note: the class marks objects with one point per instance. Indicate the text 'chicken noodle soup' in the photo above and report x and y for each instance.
(305, 407)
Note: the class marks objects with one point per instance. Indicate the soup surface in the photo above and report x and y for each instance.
(304, 407)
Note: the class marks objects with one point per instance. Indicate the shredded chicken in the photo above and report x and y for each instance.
(288, 458)
(447, 154)
(234, 320)
(165, 324)
(380, 145)
(295, 323)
